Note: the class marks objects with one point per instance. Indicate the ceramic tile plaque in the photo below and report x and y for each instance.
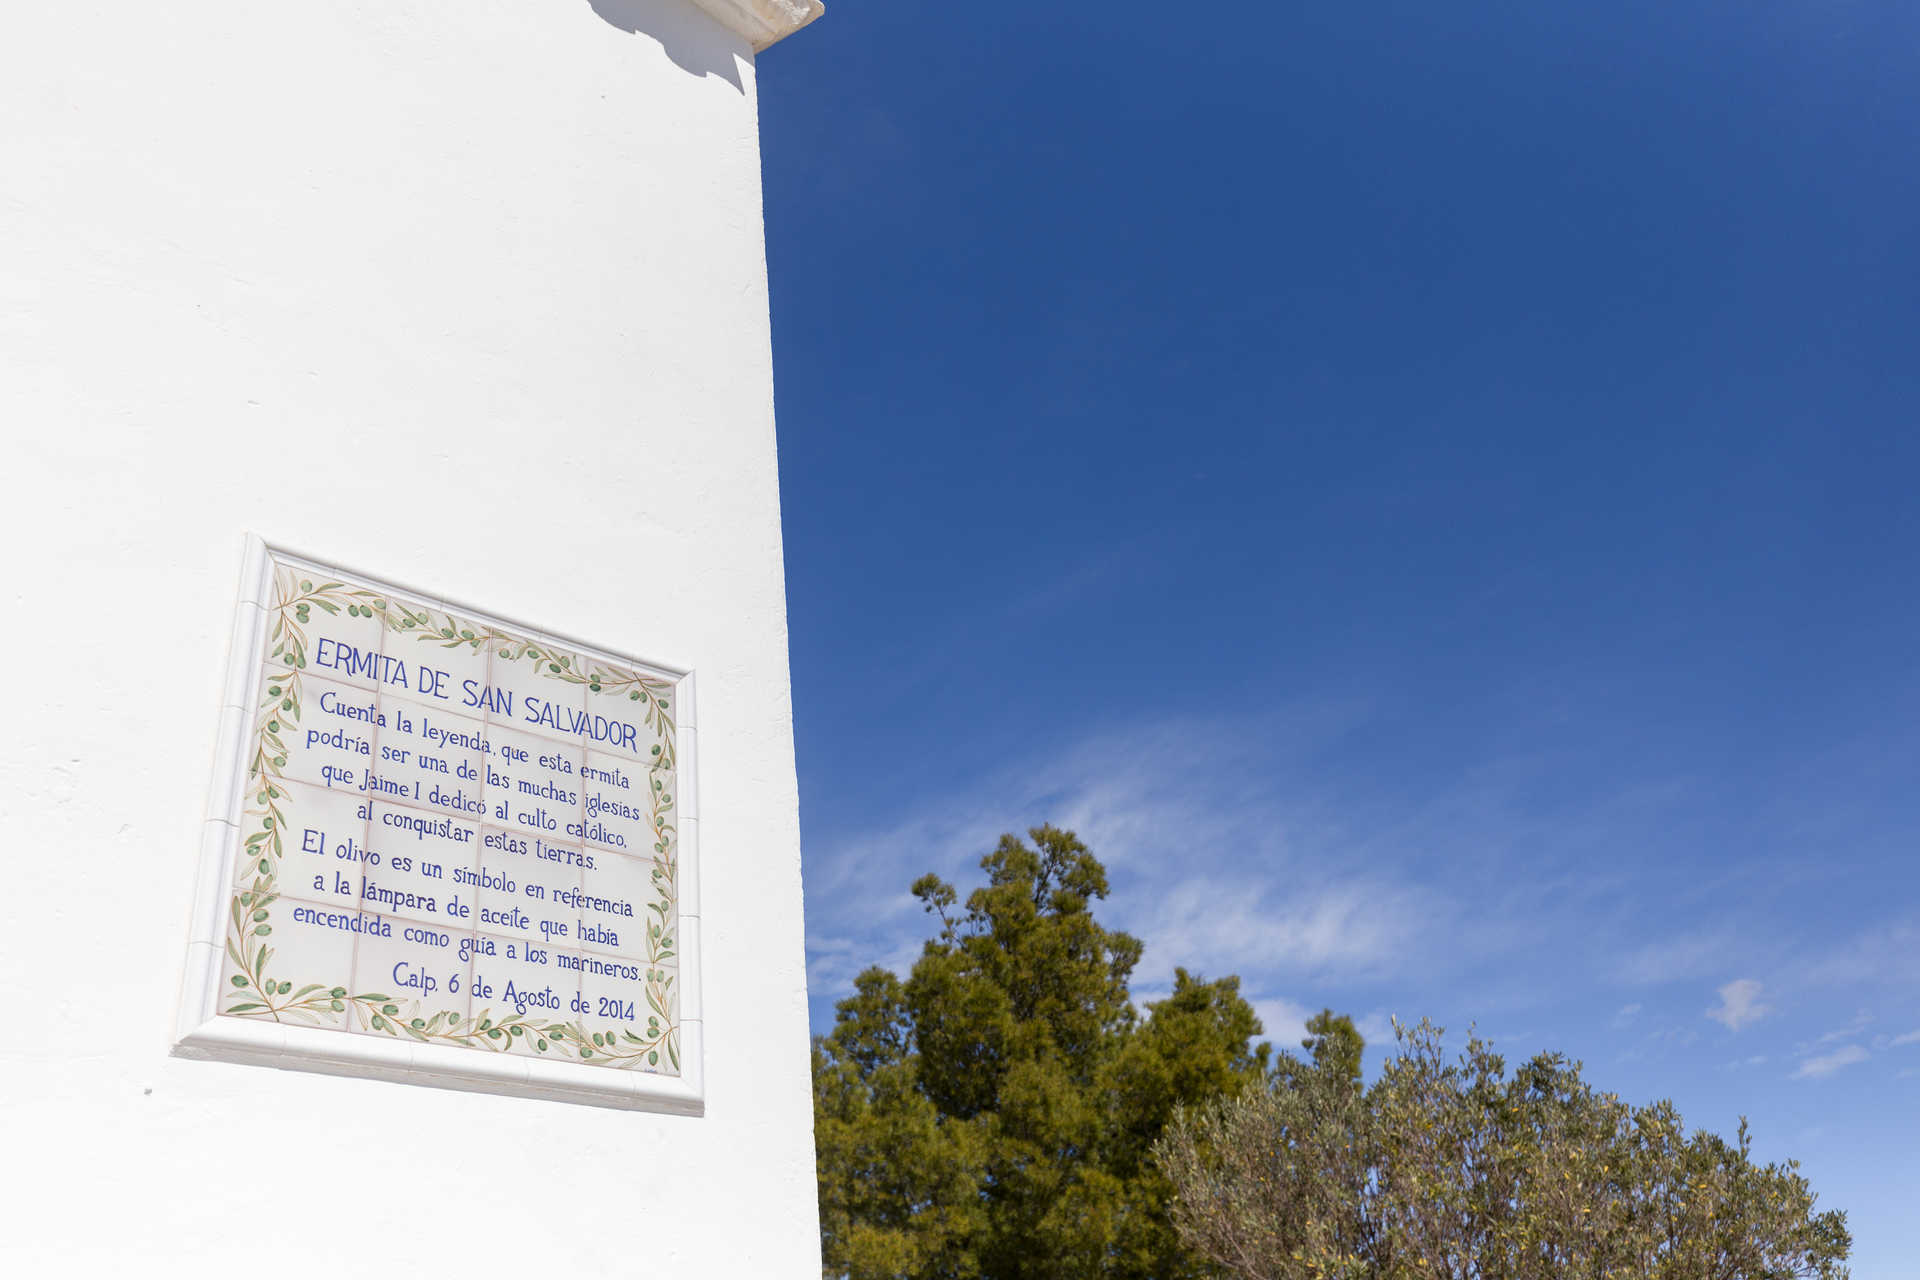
(446, 848)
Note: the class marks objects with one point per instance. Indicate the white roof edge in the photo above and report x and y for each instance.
(763, 22)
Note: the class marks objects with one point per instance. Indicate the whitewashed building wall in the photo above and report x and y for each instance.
(472, 296)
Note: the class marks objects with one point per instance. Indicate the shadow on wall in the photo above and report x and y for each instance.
(698, 44)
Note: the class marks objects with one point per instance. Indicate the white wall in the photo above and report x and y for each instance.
(469, 295)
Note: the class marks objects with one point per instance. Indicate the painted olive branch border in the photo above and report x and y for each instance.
(255, 992)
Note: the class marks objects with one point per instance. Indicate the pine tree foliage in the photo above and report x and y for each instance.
(993, 1116)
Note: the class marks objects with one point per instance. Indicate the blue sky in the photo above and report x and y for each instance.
(1428, 492)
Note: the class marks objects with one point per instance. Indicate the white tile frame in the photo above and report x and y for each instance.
(202, 1032)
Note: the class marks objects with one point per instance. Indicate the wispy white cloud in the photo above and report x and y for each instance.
(1283, 1021)
(1676, 959)
(1232, 849)
(1265, 902)
(1886, 953)
(1377, 1029)
(1346, 929)
(1817, 1068)
(834, 962)
(1911, 1037)
(1858, 1023)
(1740, 1005)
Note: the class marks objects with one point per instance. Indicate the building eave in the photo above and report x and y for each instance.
(763, 22)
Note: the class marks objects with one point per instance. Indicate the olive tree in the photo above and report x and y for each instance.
(1453, 1169)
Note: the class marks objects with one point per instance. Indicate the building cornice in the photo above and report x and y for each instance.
(763, 22)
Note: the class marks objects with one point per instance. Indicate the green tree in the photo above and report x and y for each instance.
(1454, 1170)
(994, 1115)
